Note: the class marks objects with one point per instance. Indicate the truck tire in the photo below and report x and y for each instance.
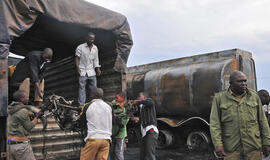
(165, 139)
(198, 141)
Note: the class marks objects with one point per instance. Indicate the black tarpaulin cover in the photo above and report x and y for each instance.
(27, 25)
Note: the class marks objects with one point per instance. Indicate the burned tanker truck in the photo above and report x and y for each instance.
(183, 90)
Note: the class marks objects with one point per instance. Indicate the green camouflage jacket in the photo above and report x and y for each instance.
(19, 123)
(238, 123)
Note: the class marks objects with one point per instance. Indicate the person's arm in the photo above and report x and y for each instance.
(77, 61)
(34, 69)
(215, 127)
(96, 63)
(77, 58)
(27, 124)
(147, 102)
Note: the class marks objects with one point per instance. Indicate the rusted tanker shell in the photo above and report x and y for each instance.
(186, 89)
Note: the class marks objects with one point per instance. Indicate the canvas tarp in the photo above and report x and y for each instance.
(27, 25)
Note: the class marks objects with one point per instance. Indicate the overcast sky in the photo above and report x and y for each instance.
(166, 29)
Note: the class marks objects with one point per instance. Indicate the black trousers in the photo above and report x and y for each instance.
(148, 146)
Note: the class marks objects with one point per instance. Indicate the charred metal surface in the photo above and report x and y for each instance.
(176, 122)
(185, 87)
(134, 88)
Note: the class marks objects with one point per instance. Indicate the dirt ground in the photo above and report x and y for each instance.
(132, 153)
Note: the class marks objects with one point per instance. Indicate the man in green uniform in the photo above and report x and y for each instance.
(238, 124)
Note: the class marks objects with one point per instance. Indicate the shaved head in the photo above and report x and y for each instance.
(98, 93)
(264, 96)
(47, 54)
(235, 74)
(21, 96)
(238, 82)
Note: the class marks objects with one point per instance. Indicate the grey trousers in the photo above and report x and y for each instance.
(21, 151)
(148, 146)
(117, 149)
(86, 82)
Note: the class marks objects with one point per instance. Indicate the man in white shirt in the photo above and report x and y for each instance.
(149, 128)
(88, 67)
(99, 128)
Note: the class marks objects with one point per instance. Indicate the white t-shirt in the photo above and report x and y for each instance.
(99, 120)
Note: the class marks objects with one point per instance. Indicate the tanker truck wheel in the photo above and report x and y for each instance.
(165, 139)
(198, 141)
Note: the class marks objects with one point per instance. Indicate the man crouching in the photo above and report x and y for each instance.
(19, 127)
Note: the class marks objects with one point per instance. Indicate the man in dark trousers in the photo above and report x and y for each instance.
(31, 70)
(149, 128)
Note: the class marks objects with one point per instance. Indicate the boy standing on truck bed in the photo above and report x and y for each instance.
(31, 70)
(87, 62)
(238, 125)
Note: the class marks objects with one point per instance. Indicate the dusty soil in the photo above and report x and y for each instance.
(132, 153)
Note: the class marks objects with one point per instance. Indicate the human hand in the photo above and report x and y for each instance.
(79, 71)
(266, 150)
(136, 101)
(39, 114)
(220, 152)
(98, 71)
(136, 119)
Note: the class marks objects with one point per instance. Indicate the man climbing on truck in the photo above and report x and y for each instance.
(31, 70)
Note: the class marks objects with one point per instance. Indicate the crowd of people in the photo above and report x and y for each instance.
(238, 121)
(105, 137)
